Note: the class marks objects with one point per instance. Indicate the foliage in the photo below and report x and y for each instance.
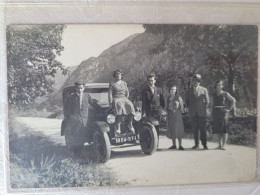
(241, 136)
(242, 130)
(32, 52)
(226, 52)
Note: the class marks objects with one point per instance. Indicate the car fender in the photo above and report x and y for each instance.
(102, 126)
(151, 120)
(148, 124)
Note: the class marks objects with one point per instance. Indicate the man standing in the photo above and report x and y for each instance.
(152, 100)
(197, 101)
(76, 114)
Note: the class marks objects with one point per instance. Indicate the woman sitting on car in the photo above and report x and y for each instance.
(118, 97)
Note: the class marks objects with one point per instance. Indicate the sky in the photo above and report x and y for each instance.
(90, 40)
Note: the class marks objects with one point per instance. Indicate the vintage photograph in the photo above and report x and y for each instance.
(131, 105)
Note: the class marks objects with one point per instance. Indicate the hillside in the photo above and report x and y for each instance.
(172, 58)
(60, 78)
(128, 55)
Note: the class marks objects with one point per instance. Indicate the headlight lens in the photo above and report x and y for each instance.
(111, 119)
(138, 116)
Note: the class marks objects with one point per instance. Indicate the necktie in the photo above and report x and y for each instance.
(152, 89)
(196, 91)
(80, 100)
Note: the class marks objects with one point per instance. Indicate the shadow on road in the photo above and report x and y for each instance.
(36, 147)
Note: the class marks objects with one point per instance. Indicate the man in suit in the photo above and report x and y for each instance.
(152, 100)
(76, 114)
(197, 101)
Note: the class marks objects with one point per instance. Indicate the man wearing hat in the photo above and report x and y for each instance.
(76, 114)
(197, 101)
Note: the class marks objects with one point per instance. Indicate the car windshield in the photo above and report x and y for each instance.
(101, 98)
(99, 95)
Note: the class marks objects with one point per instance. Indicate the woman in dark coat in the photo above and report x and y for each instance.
(175, 127)
(220, 113)
(118, 96)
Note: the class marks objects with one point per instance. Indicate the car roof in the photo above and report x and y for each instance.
(96, 85)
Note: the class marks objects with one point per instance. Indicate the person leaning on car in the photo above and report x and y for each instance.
(76, 113)
(152, 100)
(197, 101)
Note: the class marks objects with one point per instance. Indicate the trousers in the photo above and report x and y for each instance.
(199, 125)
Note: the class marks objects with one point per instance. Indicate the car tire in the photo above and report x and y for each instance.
(102, 147)
(148, 139)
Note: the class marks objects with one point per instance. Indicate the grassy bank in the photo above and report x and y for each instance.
(36, 162)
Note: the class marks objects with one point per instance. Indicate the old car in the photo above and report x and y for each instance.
(101, 121)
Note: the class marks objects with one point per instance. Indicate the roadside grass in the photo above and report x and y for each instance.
(36, 162)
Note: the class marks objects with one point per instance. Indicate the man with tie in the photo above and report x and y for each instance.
(152, 100)
(76, 114)
(197, 101)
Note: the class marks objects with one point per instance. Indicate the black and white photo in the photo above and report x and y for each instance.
(131, 104)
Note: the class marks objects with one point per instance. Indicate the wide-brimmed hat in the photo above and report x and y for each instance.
(197, 77)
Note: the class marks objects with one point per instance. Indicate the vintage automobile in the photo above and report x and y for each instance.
(101, 122)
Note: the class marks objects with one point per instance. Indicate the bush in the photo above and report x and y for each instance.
(242, 130)
(241, 136)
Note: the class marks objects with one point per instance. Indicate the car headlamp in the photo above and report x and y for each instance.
(138, 116)
(111, 119)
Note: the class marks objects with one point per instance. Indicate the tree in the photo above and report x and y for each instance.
(32, 63)
(215, 51)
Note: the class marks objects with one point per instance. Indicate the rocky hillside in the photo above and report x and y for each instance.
(141, 54)
(131, 55)
(127, 55)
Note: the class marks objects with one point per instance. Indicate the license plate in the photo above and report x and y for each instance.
(125, 139)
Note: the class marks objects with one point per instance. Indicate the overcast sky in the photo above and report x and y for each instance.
(83, 41)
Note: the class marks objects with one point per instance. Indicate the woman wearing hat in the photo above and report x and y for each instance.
(118, 96)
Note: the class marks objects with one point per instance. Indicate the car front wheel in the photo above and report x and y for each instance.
(101, 146)
(148, 139)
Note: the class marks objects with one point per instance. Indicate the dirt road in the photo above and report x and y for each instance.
(164, 167)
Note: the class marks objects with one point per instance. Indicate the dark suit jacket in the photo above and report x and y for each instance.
(152, 101)
(197, 104)
(73, 107)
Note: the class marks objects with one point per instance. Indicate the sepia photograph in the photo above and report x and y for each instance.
(99, 105)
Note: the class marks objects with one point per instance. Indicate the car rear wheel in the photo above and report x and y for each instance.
(148, 139)
(101, 146)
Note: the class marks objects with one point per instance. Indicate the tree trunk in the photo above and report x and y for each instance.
(231, 78)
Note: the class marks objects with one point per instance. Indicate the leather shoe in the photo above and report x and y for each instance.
(181, 148)
(195, 147)
(172, 147)
(205, 147)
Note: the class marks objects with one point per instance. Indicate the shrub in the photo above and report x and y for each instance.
(241, 136)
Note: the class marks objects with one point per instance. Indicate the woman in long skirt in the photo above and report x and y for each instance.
(175, 127)
(220, 113)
